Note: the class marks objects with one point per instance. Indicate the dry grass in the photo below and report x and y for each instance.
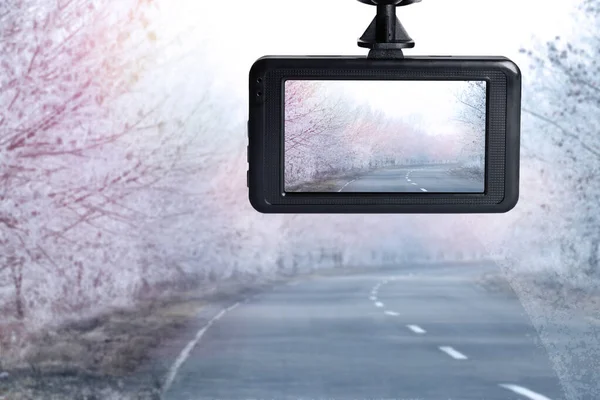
(495, 282)
(547, 289)
(331, 183)
(90, 359)
(322, 186)
(100, 357)
(471, 173)
(112, 344)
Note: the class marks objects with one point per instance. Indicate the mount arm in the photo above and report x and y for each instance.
(386, 37)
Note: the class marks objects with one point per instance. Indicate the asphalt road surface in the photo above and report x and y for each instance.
(413, 179)
(420, 333)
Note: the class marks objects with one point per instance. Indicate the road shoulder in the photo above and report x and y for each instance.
(124, 354)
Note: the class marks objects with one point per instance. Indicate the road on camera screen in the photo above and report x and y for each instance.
(422, 178)
(408, 333)
(409, 179)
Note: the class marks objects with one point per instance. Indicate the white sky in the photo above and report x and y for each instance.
(230, 35)
(431, 106)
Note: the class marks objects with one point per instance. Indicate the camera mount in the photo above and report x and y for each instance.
(386, 37)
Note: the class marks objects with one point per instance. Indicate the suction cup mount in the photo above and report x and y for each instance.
(386, 37)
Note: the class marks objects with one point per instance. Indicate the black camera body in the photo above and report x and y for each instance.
(282, 88)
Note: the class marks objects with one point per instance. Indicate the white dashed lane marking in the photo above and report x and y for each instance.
(457, 355)
(529, 394)
(423, 190)
(417, 329)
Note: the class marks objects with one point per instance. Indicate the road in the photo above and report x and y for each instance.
(419, 333)
(412, 179)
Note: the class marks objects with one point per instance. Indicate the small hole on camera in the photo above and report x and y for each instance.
(259, 80)
(259, 94)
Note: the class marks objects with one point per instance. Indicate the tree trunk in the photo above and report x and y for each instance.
(17, 278)
(594, 260)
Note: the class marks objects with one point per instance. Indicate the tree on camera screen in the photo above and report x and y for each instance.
(385, 136)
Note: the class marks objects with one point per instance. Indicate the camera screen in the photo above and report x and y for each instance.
(385, 136)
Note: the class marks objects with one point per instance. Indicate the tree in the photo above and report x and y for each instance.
(473, 115)
(567, 106)
(313, 121)
(329, 135)
(60, 64)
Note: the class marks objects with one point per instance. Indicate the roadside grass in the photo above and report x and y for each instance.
(106, 356)
(92, 358)
(114, 343)
(472, 173)
(330, 183)
(548, 289)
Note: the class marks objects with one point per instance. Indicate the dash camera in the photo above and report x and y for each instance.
(384, 133)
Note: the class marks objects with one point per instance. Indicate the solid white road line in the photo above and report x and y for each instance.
(530, 394)
(392, 313)
(185, 353)
(354, 180)
(416, 329)
(379, 304)
(457, 355)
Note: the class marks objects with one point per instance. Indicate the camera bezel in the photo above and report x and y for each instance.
(266, 133)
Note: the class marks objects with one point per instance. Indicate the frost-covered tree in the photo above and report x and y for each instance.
(473, 115)
(312, 121)
(566, 108)
(68, 160)
(327, 134)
